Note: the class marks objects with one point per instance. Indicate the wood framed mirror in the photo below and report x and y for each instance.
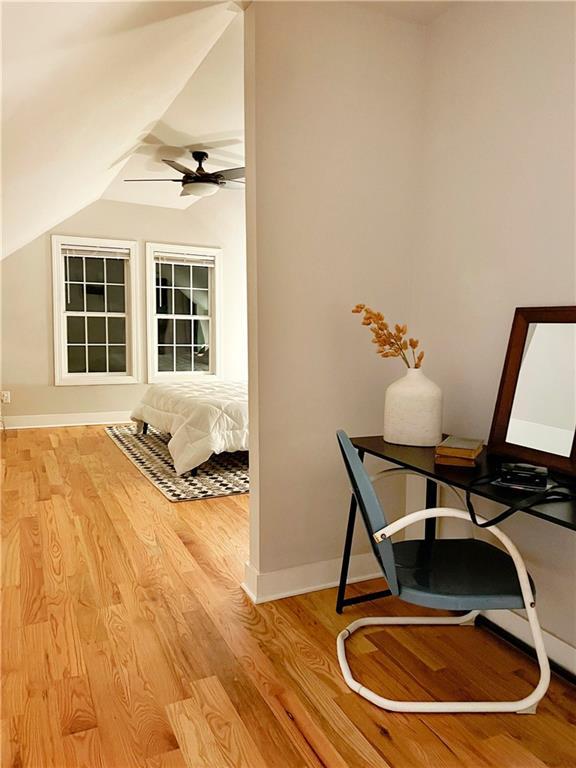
(535, 415)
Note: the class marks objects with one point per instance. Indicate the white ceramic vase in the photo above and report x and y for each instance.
(413, 410)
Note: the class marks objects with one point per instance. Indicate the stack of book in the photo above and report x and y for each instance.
(458, 451)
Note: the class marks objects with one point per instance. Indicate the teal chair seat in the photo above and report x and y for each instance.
(457, 575)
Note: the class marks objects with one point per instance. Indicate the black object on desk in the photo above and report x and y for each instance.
(421, 461)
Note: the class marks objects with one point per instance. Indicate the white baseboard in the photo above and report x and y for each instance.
(274, 585)
(65, 419)
(558, 650)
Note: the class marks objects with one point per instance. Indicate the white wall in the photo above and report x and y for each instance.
(28, 357)
(428, 171)
(333, 137)
(497, 225)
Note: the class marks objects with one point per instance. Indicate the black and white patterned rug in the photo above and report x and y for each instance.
(222, 475)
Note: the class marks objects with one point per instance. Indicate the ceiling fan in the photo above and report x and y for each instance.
(202, 183)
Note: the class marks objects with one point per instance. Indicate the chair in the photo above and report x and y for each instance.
(451, 574)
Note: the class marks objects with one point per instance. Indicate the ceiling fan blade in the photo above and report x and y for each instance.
(179, 181)
(232, 173)
(180, 168)
(234, 185)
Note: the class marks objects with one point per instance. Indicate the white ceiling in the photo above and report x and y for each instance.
(83, 86)
(208, 114)
(97, 92)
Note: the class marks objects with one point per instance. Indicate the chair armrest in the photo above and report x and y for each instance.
(416, 517)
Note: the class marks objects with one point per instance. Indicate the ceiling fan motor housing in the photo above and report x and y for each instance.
(200, 156)
(206, 178)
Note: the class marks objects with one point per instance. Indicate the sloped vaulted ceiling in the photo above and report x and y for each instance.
(83, 83)
(208, 113)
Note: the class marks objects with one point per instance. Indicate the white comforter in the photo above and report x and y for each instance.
(204, 417)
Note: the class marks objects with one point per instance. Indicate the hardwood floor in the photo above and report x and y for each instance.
(128, 642)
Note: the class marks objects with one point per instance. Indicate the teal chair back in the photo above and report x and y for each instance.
(370, 509)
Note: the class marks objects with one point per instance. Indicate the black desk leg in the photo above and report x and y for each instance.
(342, 600)
(346, 555)
(431, 501)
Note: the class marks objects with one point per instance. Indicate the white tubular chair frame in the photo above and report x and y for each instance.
(527, 705)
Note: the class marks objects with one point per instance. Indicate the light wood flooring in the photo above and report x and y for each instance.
(129, 643)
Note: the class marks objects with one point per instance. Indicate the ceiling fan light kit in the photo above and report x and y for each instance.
(202, 183)
(199, 188)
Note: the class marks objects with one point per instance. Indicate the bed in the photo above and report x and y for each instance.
(203, 417)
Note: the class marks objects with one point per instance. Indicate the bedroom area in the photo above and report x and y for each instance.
(129, 309)
(288, 384)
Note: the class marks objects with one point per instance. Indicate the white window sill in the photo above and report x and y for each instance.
(94, 379)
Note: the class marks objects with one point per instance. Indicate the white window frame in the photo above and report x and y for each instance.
(181, 253)
(61, 375)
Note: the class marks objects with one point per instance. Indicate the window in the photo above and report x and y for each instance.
(181, 301)
(95, 340)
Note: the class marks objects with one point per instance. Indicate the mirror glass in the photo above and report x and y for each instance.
(543, 413)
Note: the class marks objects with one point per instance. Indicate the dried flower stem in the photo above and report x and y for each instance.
(397, 345)
(390, 343)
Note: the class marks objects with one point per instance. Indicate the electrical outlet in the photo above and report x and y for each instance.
(5, 396)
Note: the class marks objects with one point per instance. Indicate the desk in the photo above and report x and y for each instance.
(421, 461)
